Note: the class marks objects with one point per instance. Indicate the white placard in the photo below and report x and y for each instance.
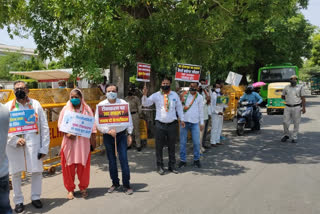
(233, 78)
(77, 124)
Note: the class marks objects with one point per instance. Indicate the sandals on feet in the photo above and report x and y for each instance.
(70, 195)
(84, 193)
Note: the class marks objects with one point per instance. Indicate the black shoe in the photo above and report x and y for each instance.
(284, 138)
(206, 147)
(182, 164)
(294, 141)
(160, 170)
(37, 204)
(173, 170)
(19, 208)
(197, 163)
(139, 148)
(113, 188)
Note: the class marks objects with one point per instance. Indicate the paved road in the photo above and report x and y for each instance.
(253, 174)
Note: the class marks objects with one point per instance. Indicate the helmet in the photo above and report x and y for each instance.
(249, 89)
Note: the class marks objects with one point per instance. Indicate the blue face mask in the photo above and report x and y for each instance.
(62, 87)
(112, 95)
(75, 101)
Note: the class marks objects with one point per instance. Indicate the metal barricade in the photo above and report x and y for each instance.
(234, 93)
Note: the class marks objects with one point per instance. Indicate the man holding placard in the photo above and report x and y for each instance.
(168, 104)
(28, 143)
(113, 119)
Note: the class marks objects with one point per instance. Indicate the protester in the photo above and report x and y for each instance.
(168, 105)
(110, 133)
(62, 84)
(5, 207)
(217, 116)
(192, 103)
(26, 153)
(103, 85)
(294, 95)
(135, 106)
(204, 91)
(75, 153)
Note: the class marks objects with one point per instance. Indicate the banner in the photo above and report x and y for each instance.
(222, 101)
(143, 72)
(233, 78)
(22, 122)
(77, 124)
(114, 114)
(188, 73)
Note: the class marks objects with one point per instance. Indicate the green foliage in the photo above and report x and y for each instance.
(315, 59)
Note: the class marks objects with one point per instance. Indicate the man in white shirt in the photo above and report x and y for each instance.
(205, 92)
(167, 106)
(217, 116)
(112, 132)
(4, 172)
(192, 103)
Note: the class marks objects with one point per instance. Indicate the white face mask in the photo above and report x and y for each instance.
(112, 95)
(218, 90)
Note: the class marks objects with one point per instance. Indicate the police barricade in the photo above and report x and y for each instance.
(234, 93)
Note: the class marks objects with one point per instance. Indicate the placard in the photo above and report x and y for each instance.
(114, 114)
(233, 78)
(77, 124)
(22, 122)
(143, 72)
(188, 72)
(222, 100)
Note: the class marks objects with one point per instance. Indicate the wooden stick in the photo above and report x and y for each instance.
(25, 159)
(115, 144)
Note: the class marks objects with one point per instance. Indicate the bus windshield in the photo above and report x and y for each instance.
(277, 74)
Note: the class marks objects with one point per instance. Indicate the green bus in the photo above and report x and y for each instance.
(271, 74)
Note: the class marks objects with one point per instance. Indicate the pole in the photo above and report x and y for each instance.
(115, 145)
(25, 159)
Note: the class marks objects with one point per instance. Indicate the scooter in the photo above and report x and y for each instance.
(246, 114)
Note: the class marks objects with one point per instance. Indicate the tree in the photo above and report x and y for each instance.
(315, 59)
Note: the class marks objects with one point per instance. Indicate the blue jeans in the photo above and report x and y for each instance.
(108, 141)
(195, 132)
(5, 207)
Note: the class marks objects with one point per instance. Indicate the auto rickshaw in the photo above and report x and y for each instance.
(274, 101)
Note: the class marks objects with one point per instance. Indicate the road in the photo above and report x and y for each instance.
(252, 174)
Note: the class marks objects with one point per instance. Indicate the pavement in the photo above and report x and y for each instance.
(251, 174)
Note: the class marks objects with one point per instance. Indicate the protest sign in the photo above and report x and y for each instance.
(233, 78)
(222, 101)
(143, 72)
(188, 73)
(77, 124)
(113, 114)
(22, 122)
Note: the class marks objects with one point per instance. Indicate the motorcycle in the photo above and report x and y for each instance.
(248, 116)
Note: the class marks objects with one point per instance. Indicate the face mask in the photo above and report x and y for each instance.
(293, 82)
(112, 95)
(20, 94)
(218, 90)
(75, 101)
(62, 87)
(165, 87)
(192, 89)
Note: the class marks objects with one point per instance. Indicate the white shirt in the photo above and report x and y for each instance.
(4, 124)
(214, 108)
(105, 128)
(161, 114)
(205, 106)
(195, 112)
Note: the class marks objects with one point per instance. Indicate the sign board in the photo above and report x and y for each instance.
(188, 73)
(233, 78)
(22, 122)
(143, 72)
(77, 124)
(222, 100)
(114, 114)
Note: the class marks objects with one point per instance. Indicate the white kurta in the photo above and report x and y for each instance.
(35, 143)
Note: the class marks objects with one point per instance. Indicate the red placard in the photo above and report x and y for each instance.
(113, 114)
(143, 72)
(188, 73)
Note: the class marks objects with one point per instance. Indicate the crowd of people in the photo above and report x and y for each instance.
(189, 110)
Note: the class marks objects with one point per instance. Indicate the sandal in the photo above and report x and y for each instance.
(84, 193)
(70, 195)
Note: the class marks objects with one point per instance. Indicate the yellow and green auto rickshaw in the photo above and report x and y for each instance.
(274, 101)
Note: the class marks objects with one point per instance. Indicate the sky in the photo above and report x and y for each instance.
(312, 14)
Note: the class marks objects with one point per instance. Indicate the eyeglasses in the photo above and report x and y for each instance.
(16, 89)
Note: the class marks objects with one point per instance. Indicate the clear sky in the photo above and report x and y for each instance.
(312, 14)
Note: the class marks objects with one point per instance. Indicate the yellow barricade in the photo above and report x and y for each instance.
(234, 93)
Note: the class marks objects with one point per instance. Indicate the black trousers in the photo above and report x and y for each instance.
(166, 134)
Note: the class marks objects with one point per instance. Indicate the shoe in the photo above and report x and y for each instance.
(113, 188)
(37, 204)
(182, 164)
(294, 141)
(19, 208)
(206, 147)
(160, 170)
(219, 144)
(197, 163)
(173, 170)
(128, 191)
(139, 148)
(284, 138)
(213, 145)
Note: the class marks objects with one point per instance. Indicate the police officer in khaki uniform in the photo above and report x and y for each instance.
(294, 95)
(134, 103)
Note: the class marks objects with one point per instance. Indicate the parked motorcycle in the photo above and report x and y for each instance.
(248, 116)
